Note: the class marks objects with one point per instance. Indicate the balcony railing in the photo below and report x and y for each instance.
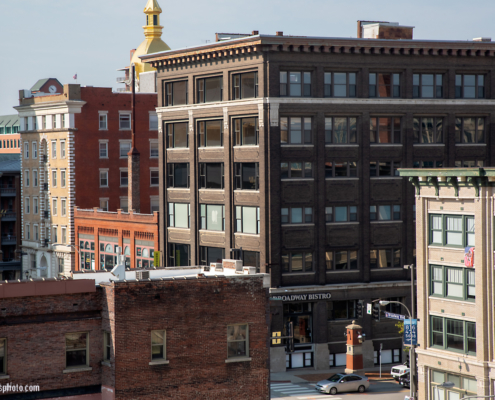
(121, 79)
(121, 90)
(8, 190)
(10, 215)
(9, 239)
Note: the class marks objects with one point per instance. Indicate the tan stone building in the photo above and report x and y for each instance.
(455, 211)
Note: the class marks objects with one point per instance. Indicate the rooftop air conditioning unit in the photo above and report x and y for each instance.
(141, 275)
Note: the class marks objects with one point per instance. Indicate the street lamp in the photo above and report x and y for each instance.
(412, 364)
(445, 385)
(412, 360)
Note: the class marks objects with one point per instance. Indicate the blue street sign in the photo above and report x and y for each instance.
(407, 332)
(395, 316)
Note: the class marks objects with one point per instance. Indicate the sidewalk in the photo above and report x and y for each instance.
(309, 375)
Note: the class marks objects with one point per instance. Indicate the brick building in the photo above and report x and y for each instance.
(9, 134)
(75, 147)
(288, 147)
(146, 339)
(454, 214)
(99, 234)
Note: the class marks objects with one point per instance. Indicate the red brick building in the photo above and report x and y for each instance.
(160, 338)
(99, 232)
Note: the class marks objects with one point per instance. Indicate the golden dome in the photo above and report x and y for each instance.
(153, 42)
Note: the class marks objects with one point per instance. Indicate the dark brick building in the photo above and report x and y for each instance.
(288, 147)
(167, 337)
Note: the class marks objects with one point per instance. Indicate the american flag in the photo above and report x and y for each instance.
(75, 76)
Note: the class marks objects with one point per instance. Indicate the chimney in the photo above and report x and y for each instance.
(384, 30)
(254, 33)
(133, 162)
(279, 33)
(482, 39)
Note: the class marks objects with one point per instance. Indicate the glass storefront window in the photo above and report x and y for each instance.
(144, 257)
(87, 254)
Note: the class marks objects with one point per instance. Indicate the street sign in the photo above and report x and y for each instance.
(156, 259)
(395, 316)
(407, 332)
(369, 308)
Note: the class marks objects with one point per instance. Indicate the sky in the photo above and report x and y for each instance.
(93, 38)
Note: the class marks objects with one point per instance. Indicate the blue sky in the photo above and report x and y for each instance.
(58, 38)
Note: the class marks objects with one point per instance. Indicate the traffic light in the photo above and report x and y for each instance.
(376, 311)
(359, 309)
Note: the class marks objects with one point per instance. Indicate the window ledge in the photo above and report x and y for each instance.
(77, 369)
(102, 129)
(339, 271)
(386, 222)
(341, 223)
(470, 144)
(451, 300)
(429, 144)
(246, 191)
(159, 362)
(4, 376)
(385, 177)
(349, 178)
(298, 273)
(296, 225)
(341, 145)
(254, 146)
(297, 145)
(296, 179)
(103, 158)
(386, 144)
(387, 269)
(237, 359)
(106, 363)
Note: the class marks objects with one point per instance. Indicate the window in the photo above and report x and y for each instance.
(104, 204)
(343, 309)
(297, 215)
(452, 282)
(61, 267)
(340, 130)
(469, 164)
(208, 255)
(211, 176)
(107, 345)
(244, 86)
(428, 130)
(104, 178)
(427, 86)
(124, 177)
(43, 121)
(454, 335)
(62, 149)
(76, 349)
(237, 341)
(103, 117)
(64, 234)
(385, 213)
(246, 132)
(452, 230)
(179, 255)
(297, 262)
(35, 177)
(175, 93)
(212, 217)
(64, 120)
(469, 130)
(35, 150)
(54, 149)
(63, 203)
(209, 89)
(54, 178)
(177, 136)
(54, 207)
(179, 215)
(246, 176)
(296, 170)
(341, 214)
(295, 130)
(158, 346)
(463, 386)
(384, 85)
(27, 202)
(55, 236)
(154, 204)
(36, 235)
(153, 120)
(35, 123)
(427, 164)
(385, 130)
(26, 177)
(124, 121)
(385, 258)
(178, 175)
(103, 149)
(247, 219)
(340, 84)
(28, 232)
(153, 148)
(210, 133)
(54, 122)
(340, 169)
(62, 178)
(341, 259)
(469, 86)
(3, 357)
(26, 150)
(154, 178)
(384, 168)
(35, 205)
(295, 84)
(124, 148)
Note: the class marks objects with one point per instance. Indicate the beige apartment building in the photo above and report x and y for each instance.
(455, 209)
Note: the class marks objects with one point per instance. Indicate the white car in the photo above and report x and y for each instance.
(399, 370)
(343, 383)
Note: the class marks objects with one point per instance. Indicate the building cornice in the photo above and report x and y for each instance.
(68, 106)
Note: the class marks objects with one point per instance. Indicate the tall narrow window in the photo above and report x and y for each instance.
(237, 341)
(158, 343)
(76, 345)
(62, 149)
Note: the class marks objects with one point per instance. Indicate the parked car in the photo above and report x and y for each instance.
(399, 370)
(343, 383)
(405, 380)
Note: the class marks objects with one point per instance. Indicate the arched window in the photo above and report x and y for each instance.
(127, 250)
(155, 20)
(86, 245)
(145, 253)
(108, 248)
